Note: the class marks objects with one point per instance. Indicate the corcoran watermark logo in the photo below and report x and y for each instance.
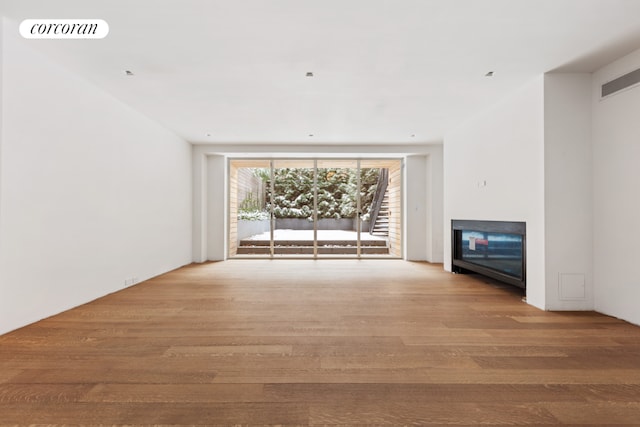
(64, 29)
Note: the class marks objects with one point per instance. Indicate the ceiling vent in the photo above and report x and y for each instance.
(623, 82)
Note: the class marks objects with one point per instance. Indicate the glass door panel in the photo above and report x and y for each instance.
(291, 202)
(374, 238)
(383, 207)
(338, 207)
(249, 218)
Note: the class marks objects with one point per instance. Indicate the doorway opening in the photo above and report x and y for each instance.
(315, 208)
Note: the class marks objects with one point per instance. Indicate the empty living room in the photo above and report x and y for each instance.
(334, 213)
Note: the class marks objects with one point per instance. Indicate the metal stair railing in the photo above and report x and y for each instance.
(381, 188)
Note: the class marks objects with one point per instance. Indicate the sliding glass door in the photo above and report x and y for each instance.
(314, 208)
(291, 203)
(338, 205)
(250, 225)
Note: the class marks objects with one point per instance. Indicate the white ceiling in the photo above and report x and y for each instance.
(385, 71)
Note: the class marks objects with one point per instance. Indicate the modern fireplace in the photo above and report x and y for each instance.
(493, 248)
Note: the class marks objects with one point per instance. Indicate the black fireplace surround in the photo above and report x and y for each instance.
(496, 249)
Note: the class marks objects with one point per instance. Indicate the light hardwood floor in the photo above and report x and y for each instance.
(328, 342)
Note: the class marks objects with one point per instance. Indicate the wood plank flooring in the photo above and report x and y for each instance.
(327, 342)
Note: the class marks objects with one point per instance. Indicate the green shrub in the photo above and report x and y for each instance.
(253, 215)
(336, 192)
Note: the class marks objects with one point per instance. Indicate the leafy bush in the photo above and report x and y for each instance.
(253, 215)
(250, 203)
(336, 192)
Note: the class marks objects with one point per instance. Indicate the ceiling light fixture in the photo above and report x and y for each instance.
(310, 135)
(309, 74)
(489, 74)
(128, 73)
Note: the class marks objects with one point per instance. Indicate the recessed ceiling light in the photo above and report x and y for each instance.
(309, 74)
(413, 135)
(310, 135)
(128, 73)
(208, 134)
(489, 74)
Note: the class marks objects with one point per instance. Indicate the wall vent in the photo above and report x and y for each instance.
(622, 82)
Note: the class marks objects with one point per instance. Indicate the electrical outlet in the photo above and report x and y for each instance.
(130, 281)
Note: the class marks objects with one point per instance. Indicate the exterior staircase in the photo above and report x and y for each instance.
(381, 225)
(379, 210)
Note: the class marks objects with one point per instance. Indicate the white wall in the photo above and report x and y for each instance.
(209, 236)
(616, 154)
(423, 195)
(93, 193)
(199, 218)
(415, 193)
(435, 205)
(502, 147)
(216, 207)
(1, 127)
(209, 203)
(568, 192)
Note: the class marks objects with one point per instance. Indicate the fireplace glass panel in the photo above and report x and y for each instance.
(498, 251)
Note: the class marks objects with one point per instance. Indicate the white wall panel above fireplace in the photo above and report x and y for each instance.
(502, 149)
(529, 159)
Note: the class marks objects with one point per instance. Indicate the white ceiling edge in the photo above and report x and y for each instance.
(309, 151)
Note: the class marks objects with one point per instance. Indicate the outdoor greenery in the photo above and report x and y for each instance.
(253, 215)
(294, 194)
(336, 192)
(250, 203)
